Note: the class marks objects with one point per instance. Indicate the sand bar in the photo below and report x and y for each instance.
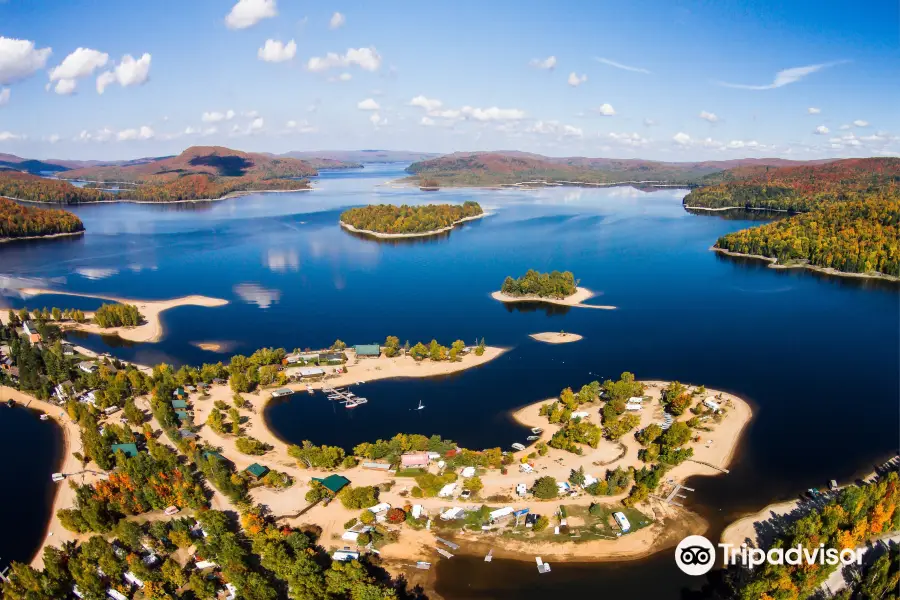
(745, 528)
(556, 337)
(150, 331)
(379, 234)
(577, 299)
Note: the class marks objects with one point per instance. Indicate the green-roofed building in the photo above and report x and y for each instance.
(180, 393)
(333, 483)
(182, 415)
(179, 404)
(368, 350)
(257, 470)
(211, 453)
(130, 450)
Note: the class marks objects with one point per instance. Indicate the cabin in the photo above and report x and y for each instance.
(588, 480)
(31, 331)
(415, 459)
(182, 404)
(180, 393)
(187, 434)
(452, 514)
(63, 391)
(711, 404)
(129, 450)
(282, 392)
(581, 414)
(304, 372)
(622, 520)
(345, 555)
(367, 350)
(331, 358)
(88, 366)
(498, 515)
(204, 564)
(257, 471)
(333, 483)
(380, 508)
(133, 579)
(68, 349)
(447, 490)
(182, 415)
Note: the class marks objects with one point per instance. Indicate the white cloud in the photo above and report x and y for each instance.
(127, 73)
(80, 63)
(210, 131)
(377, 120)
(247, 13)
(428, 104)
(822, 130)
(144, 133)
(277, 51)
(813, 110)
(368, 104)
(555, 128)
(844, 127)
(708, 116)
(337, 20)
(53, 138)
(8, 136)
(367, 59)
(784, 77)
(547, 64)
(257, 124)
(574, 80)
(216, 116)
(64, 87)
(427, 122)
(649, 123)
(20, 59)
(191, 130)
(341, 77)
(301, 126)
(605, 110)
(619, 65)
(682, 139)
(860, 123)
(492, 114)
(101, 135)
(628, 139)
(250, 114)
(4, 96)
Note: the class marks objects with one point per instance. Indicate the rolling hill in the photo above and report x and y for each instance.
(509, 167)
(361, 157)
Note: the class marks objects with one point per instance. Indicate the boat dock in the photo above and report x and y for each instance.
(443, 553)
(490, 556)
(345, 397)
(448, 543)
(674, 494)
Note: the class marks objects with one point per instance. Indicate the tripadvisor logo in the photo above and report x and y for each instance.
(696, 555)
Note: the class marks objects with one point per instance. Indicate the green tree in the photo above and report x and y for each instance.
(545, 488)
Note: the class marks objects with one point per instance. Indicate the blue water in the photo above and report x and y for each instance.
(817, 356)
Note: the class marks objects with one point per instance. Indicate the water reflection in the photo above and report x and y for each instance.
(551, 310)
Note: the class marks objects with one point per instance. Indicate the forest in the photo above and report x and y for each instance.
(852, 237)
(799, 188)
(17, 220)
(118, 315)
(852, 517)
(544, 285)
(195, 186)
(388, 218)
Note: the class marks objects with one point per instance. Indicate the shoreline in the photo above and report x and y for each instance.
(773, 264)
(63, 494)
(227, 196)
(381, 235)
(538, 184)
(577, 299)
(150, 331)
(782, 210)
(49, 236)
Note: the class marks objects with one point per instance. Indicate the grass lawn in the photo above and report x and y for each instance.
(582, 525)
(410, 472)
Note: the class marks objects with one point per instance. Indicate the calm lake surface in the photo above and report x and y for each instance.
(816, 356)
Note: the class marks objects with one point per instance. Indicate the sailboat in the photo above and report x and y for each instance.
(421, 406)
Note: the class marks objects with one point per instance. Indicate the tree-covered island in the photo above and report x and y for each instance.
(18, 221)
(555, 284)
(388, 219)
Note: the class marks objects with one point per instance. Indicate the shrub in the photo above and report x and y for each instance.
(396, 515)
(545, 488)
(541, 523)
(358, 497)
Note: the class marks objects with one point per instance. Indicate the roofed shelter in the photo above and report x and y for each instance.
(130, 450)
(257, 470)
(367, 350)
(333, 483)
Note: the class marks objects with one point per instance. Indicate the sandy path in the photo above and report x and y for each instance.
(577, 299)
(555, 337)
(150, 331)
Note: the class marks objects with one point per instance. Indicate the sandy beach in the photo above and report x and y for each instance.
(379, 234)
(577, 299)
(556, 337)
(744, 528)
(50, 236)
(774, 264)
(150, 331)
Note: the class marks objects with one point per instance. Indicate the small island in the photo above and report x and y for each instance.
(390, 221)
(553, 288)
(556, 337)
(18, 222)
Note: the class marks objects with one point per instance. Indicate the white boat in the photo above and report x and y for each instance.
(355, 402)
(531, 438)
(518, 446)
(309, 389)
(537, 430)
(44, 417)
(57, 477)
(421, 406)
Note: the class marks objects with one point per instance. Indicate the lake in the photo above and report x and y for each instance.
(817, 356)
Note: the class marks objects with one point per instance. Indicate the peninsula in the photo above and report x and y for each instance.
(149, 329)
(390, 221)
(18, 222)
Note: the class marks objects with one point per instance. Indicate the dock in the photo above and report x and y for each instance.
(675, 494)
(443, 553)
(710, 465)
(490, 556)
(345, 397)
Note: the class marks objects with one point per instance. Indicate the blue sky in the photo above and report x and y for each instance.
(678, 81)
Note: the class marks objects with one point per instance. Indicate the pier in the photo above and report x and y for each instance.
(345, 397)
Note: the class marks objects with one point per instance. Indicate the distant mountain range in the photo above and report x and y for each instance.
(509, 167)
(361, 157)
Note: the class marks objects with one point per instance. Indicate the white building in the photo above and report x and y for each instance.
(116, 594)
(452, 513)
(521, 489)
(133, 579)
(345, 555)
(447, 490)
(468, 472)
(581, 414)
(712, 404)
(418, 511)
(380, 508)
(589, 480)
(500, 513)
(88, 366)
